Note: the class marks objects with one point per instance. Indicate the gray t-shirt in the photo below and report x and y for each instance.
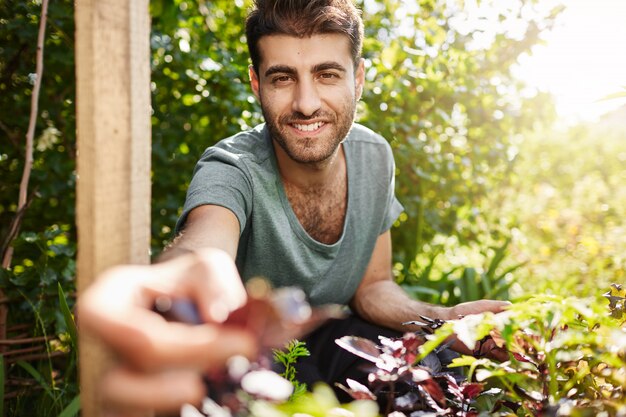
(241, 174)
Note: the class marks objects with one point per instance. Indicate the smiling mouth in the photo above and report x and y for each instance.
(309, 127)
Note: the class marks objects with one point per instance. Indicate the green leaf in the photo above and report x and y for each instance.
(38, 377)
(497, 259)
(67, 316)
(434, 341)
(72, 408)
(470, 284)
(48, 276)
(464, 360)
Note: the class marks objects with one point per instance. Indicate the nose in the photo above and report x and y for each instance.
(307, 100)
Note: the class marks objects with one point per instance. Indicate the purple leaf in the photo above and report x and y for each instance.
(471, 390)
(357, 390)
(434, 391)
(359, 346)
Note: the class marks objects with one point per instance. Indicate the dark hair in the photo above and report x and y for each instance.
(303, 18)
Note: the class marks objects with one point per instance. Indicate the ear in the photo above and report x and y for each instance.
(359, 78)
(254, 81)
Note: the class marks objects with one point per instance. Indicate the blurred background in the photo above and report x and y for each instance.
(507, 120)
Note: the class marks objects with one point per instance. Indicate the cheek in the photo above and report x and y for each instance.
(275, 101)
(342, 93)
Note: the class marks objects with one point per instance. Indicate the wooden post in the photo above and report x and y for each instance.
(113, 164)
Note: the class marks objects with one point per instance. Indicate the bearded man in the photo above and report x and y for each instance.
(307, 198)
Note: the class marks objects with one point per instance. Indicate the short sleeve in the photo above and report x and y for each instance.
(393, 208)
(220, 178)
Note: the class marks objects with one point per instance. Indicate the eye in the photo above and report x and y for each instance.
(282, 79)
(328, 76)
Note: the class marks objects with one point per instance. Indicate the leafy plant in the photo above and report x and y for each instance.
(460, 284)
(566, 354)
(408, 382)
(320, 402)
(41, 375)
(288, 357)
(617, 300)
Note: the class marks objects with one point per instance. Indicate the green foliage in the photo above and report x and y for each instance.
(35, 287)
(617, 300)
(44, 251)
(52, 180)
(288, 357)
(68, 318)
(200, 94)
(566, 205)
(452, 111)
(72, 408)
(321, 402)
(460, 284)
(567, 355)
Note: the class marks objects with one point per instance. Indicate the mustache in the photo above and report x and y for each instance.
(299, 117)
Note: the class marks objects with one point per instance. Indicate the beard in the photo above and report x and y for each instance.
(310, 149)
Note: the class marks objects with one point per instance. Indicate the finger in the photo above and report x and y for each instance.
(477, 307)
(151, 343)
(208, 277)
(224, 293)
(127, 392)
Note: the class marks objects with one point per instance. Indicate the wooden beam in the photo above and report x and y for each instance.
(113, 163)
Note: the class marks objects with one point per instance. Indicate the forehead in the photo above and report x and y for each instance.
(304, 53)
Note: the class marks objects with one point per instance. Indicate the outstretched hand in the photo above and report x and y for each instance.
(488, 346)
(162, 362)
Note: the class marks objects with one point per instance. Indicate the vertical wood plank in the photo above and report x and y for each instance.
(113, 163)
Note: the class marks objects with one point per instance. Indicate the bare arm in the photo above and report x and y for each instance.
(207, 226)
(380, 300)
(162, 363)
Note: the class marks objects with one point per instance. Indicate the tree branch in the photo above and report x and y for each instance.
(30, 134)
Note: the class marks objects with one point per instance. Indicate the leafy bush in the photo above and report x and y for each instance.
(567, 357)
(567, 204)
(459, 284)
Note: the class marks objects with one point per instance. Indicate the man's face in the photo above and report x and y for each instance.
(308, 91)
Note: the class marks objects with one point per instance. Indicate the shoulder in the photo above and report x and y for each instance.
(360, 134)
(249, 145)
(364, 139)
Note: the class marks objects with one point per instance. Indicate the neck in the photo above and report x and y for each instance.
(309, 175)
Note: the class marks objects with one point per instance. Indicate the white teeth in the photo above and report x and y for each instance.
(309, 127)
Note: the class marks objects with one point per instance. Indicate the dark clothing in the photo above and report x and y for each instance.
(332, 364)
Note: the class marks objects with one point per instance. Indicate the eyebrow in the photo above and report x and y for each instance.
(285, 69)
(327, 66)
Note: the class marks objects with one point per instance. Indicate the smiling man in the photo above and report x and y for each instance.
(307, 199)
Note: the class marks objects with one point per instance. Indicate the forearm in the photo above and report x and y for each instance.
(386, 304)
(206, 227)
(174, 249)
